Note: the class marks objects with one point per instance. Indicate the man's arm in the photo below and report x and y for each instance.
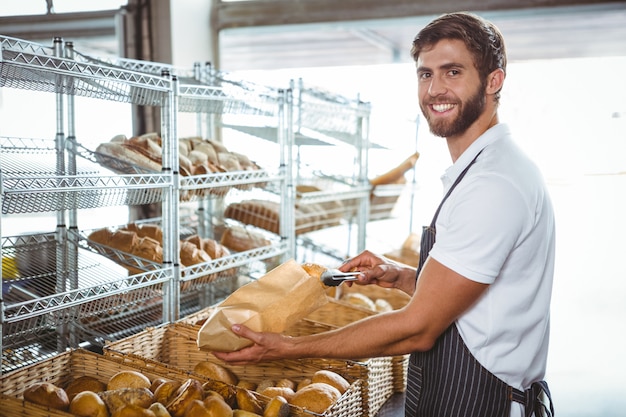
(441, 295)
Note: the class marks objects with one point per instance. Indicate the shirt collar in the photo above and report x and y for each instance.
(490, 136)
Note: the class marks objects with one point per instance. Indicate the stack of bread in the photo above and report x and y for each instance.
(197, 156)
(130, 393)
(146, 240)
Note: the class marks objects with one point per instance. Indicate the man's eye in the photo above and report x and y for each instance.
(423, 75)
(453, 72)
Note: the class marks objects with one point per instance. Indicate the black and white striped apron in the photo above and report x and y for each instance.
(447, 381)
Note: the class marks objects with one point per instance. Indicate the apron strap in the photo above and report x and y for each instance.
(536, 399)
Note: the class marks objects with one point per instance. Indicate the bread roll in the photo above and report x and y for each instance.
(159, 410)
(189, 391)
(84, 383)
(47, 394)
(128, 379)
(331, 378)
(316, 397)
(132, 410)
(216, 371)
(277, 407)
(285, 392)
(88, 404)
(164, 393)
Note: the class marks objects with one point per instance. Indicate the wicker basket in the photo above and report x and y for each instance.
(380, 382)
(340, 313)
(63, 368)
(174, 346)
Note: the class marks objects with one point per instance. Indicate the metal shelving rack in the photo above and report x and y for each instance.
(62, 290)
(321, 114)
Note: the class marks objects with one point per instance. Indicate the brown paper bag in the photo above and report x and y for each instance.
(273, 303)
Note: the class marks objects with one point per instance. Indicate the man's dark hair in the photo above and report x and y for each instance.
(481, 37)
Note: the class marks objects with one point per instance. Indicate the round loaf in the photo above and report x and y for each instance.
(216, 371)
(84, 383)
(88, 404)
(128, 379)
(316, 397)
(331, 378)
(47, 394)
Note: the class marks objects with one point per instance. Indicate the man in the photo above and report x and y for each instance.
(477, 325)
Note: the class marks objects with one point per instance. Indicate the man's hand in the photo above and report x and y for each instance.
(266, 347)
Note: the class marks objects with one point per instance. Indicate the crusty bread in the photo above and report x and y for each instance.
(240, 239)
(216, 371)
(128, 379)
(316, 397)
(88, 404)
(331, 378)
(84, 383)
(47, 394)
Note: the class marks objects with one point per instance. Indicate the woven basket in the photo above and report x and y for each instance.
(340, 313)
(380, 382)
(174, 346)
(63, 368)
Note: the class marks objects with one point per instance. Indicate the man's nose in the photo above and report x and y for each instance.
(436, 87)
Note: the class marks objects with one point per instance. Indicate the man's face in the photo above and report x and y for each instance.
(451, 94)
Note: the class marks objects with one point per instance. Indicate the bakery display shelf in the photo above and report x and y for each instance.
(32, 182)
(93, 280)
(42, 71)
(237, 259)
(127, 260)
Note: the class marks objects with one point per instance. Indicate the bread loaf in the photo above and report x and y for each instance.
(128, 379)
(396, 174)
(189, 391)
(47, 394)
(316, 397)
(88, 404)
(259, 213)
(84, 383)
(331, 378)
(216, 371)
(240, 239)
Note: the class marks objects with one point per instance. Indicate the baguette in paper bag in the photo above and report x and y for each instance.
(274, 302)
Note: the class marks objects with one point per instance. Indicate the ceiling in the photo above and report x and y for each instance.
(531, 33)
(275, 34)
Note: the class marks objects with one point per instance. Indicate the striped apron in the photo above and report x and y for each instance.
(447, 381)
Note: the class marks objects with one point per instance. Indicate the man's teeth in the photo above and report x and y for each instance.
(442, 107)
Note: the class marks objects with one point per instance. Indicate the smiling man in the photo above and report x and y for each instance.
(477, 326)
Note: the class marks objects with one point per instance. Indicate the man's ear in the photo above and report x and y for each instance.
(495, 80)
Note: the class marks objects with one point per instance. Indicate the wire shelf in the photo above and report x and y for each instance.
(54, 286)
(33, 183)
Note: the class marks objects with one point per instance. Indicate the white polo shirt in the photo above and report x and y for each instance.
(497, 227)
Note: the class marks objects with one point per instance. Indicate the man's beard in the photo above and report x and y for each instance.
(469, 112)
